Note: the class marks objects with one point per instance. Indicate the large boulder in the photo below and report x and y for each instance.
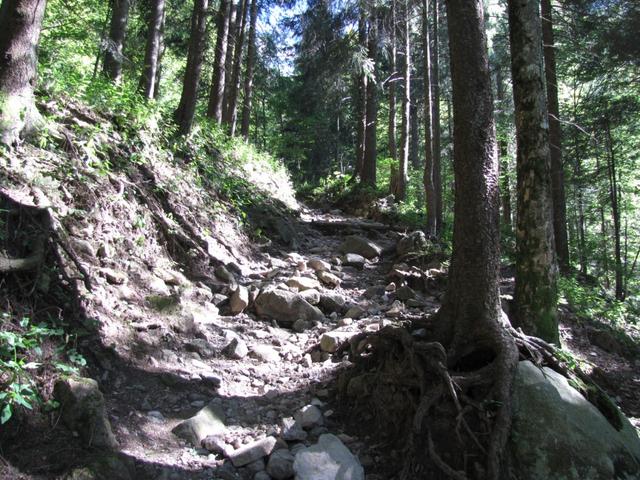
(82, 408)
(414, 242)
(360, 246)
(286, 307)
(328, 459)
(557, 434)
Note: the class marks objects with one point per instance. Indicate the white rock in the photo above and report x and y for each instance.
(303, 283)
(309, 416)
(329, 459)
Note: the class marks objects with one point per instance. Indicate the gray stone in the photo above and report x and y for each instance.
(239, 300)
(328, 278)
(360, 246)
(265, 353)
(331, 341)
(355, 312)
(301, 326)
(291, 430)
(309, 416)
(286, 307)
(405, 293)
(303, 283)
(236, 349)
(312, 296)
(414, 242)
(208, 421)
(558, 435)
(353, 260)
(280, 465)
(374, 291)
(329, 459)
(262, 476)
(83, 410)
(200, 346)
(332, 302)
(319, 265)
(216, 444)
(252, 452)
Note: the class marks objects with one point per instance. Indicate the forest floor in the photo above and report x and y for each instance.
(164, 335)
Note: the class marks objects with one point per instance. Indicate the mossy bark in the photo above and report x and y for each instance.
(20, 24)
(536, 266)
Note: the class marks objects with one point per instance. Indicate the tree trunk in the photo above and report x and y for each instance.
(403, 164)
(187, 106)
(503, 148)
(163, 47)
(555, 140)
(248, 79)
(369, 167)
(393, 149)
(536, 268)
(614, 198)
(20, 24)
(361, 96)
(414, 147)
(113, 49)
(231, 113)
(216, 94)
(228, 61)
(429, 186)
(153, 49)
(471, 310)
(435, 118)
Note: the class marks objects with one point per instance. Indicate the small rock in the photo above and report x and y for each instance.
(239, 300)
(208, 421)
(280, 465)
(303, 283)
(405, 293)
(319, 265)
(331, 341)
(113, 276)
(286, 307)
(236, 349)
(354, 260)
(291, 430)
(252, 452)
(309, 416)
(262, 476)
(332, 302)
(329, 279)
(200, 346)
(312, 296)
(355, 312)
(301, 325)
(360, 246)
(210, 380)
(216, 444)
(329, 459)
(396, 309)
(265, 353)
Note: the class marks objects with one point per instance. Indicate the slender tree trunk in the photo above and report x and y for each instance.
(414, 147)
(369, 167)
(113, 56)
(187, 106)
(614, 198)
(536, 268)
(429, 186)
(248, 79)
(20, 25)
(231, 113)
(555, 140)
(393, 49)
(216, 94)
(503, 148)
(163, 48)
(228, 61)
(435, 118)
(153, 49)
(361, 96)
(471, 310)
(403, 170)
(103, 33)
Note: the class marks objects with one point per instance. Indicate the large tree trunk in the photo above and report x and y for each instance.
(369, 167)
(435, 118)
(361, 96)
(555, 140)
(429, 186)
(113, 55)
(248, 78)
(20, 24)
(216, 94)
(536, 268)
(153, 49)
(403, 170)
(471, 307)
(393, 49)
(505, 187)
(187, 106)
(230, 115)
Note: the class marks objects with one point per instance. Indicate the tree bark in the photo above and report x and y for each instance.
(471, 310)
(403, 164)
(614, 198)
(248, 79)
(429, 186)
(113, 55)
(163, 47)
(361, 96)
(20, 25)
(228, 61)
(503, 150)
(230, 115)
(536, 268)
(393, 49)
(555, 140)
(153, 49)
(216, 94)
(435, 118)
(369, 167)
(187, 106)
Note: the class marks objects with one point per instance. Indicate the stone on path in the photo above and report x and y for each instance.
(354, 260)
(329, 459)
(319, 265)
(265, 353)
(309, 416)
(239, 300)
(360, 246)
(286, 307)
(208, 421)
(331, 341)
(280, 465)
(557, 434)
(303, 283)
(328, 278)
(252, 452)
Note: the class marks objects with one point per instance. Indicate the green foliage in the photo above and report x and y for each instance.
(23, 357)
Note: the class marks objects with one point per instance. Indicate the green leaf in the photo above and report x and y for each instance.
(6, 414)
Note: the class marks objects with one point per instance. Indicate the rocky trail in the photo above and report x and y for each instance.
(236, 379)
